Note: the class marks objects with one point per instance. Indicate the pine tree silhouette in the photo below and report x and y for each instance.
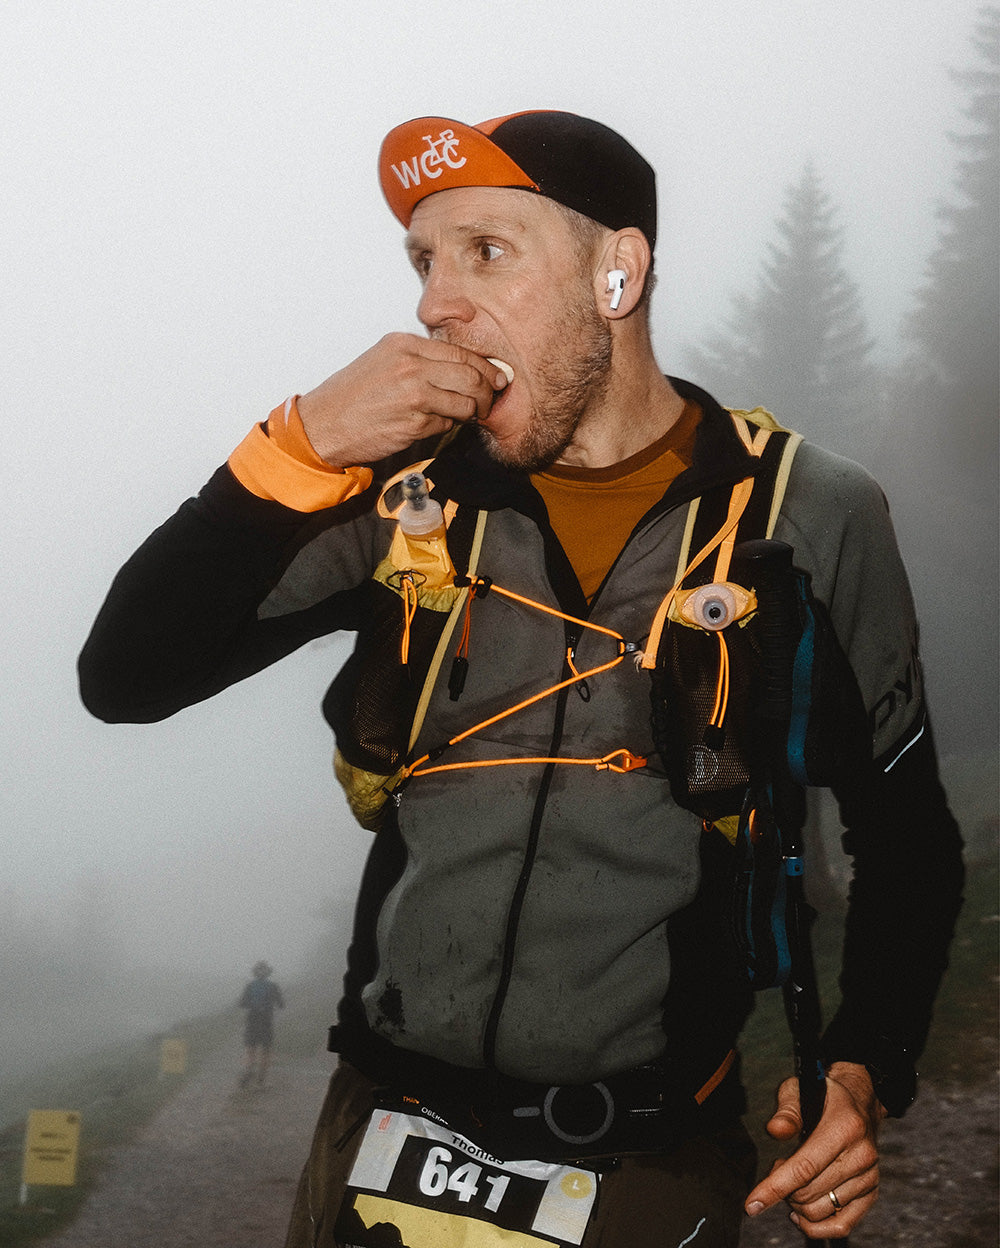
(939, 463)
(955, 325)
(799, 345)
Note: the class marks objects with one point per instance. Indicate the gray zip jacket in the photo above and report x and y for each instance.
(530, 917)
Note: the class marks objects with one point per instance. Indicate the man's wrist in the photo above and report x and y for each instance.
(857, 1079)
(278, 462)
(890, 1067)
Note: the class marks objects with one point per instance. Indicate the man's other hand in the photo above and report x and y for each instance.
(831, 1181)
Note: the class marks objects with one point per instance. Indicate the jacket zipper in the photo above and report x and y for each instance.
(531, 849)
(521, 888)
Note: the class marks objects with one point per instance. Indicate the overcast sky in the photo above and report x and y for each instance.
(193, 230)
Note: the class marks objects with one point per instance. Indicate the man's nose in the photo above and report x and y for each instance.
(444, 299)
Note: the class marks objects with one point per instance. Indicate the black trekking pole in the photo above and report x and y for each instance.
(768, 565)
(802, 1004)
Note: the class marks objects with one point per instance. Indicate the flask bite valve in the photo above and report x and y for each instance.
(420, 515)
(415, 490)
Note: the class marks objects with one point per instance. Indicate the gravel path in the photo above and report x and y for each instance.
(218, 1168)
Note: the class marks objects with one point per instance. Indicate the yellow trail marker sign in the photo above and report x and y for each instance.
(50, 1148)
(173, 1056)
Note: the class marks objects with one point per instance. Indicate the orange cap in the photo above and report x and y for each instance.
(432, 154)
(578, 162)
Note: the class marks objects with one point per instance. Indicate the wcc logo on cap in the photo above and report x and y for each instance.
(439, 154)
(432, 154)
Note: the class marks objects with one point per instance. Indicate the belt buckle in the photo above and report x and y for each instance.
(592, 1103)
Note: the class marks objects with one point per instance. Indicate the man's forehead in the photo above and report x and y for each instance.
(482, 209)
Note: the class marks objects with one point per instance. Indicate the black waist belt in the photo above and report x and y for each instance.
(641, 1110)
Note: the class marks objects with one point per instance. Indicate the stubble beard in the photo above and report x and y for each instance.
(576, 377)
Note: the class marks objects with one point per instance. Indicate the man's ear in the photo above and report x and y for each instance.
(621, 274)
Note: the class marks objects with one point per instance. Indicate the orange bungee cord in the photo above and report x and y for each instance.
(621, 760)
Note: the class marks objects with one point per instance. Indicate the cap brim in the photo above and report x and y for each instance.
(432, 154)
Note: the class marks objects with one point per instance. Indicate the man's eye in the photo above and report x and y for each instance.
(490, 251)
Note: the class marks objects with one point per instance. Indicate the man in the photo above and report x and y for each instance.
(261, 997)
(542, 968)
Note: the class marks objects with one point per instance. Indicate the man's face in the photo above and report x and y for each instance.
(503, 275)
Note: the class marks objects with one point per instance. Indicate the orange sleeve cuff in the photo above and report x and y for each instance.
(281, 464)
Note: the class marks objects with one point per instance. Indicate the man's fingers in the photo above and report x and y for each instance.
(806, 1164)
(455, 383)
(458, 392)
(836, 1166)
(495, 377)
(822, 1219)
(784, 1124)
(819, 1203)
(821, 1165)
(786, 1121)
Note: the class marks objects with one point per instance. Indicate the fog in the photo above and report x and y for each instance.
(193, 230)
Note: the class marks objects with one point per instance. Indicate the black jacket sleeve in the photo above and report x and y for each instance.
(905, 896)
(181, 621)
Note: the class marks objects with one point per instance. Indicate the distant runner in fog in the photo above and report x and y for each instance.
(260, 997)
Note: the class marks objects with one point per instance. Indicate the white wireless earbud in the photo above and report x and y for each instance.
(616, 283)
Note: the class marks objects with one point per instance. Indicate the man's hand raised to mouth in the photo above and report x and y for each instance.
(401, 390)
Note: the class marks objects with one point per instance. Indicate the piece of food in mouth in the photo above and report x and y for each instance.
(504, 367)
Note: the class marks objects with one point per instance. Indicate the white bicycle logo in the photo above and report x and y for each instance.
(440, 153)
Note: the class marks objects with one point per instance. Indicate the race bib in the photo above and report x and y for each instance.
(418, 1184)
